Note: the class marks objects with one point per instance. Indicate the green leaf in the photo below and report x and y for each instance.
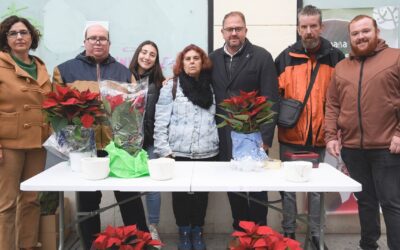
(222, 124)
(241, 117)
(58, 123)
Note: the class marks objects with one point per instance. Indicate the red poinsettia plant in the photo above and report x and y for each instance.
(68, 106)
(255, 237)
(246, 112)
(125, 238)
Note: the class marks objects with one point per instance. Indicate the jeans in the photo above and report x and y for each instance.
(289, 198)
(153, 204)
(378, 171)
(153, 199)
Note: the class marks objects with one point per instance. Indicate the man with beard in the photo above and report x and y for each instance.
(363, 102)
(240, 65)
(296, 65)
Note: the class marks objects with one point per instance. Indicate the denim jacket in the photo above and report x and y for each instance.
(183, 129)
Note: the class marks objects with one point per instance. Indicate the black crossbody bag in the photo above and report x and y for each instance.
(291, 109)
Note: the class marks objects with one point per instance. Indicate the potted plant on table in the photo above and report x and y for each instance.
(245, 114)
(255, 237)
(72, 113)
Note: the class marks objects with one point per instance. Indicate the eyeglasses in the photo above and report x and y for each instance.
(14, 34)
(236, 29)
(94, 39)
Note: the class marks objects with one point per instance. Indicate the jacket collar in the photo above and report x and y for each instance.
(380, 46)
(90, 60)
(42, 76)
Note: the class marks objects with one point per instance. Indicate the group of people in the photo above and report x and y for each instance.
(352, 111)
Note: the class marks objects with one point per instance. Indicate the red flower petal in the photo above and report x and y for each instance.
(87, 120)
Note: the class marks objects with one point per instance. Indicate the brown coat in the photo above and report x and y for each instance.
(363, 100)
(22, 122)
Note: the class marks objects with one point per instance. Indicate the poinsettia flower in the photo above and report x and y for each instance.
(87, 120)
(115, 101)
(257, 109)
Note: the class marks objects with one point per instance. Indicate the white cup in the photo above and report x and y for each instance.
(297, 171)
(75, 160)
(161, 169)
(95, 168)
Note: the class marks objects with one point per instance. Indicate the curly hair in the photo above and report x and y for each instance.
(5, 26)
(206, 62)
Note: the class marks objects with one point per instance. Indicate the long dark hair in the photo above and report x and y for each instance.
(5, 26)
(157, 76)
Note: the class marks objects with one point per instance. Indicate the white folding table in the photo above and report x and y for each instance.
(195, 176)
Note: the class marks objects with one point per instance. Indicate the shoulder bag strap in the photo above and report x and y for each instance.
(174, 87)
(312, 80)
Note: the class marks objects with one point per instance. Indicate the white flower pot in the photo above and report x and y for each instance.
(75, 159)
(95, 168)
(161, 168)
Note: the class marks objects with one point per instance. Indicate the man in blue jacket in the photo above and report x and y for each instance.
(240, 65)
(83, 72)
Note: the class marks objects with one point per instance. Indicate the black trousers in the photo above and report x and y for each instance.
(131, 212)
(190, 208)
(379, 173)
(245, 209)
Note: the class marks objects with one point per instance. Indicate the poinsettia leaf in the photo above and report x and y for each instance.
(76, 121)
(222, 124)
(241, 117)
(58, 123)
(107, 106)
(49, 103)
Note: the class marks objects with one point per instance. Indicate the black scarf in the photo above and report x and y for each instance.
(197, 91)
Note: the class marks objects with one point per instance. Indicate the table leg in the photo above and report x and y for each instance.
(61, 220)
(322, 222)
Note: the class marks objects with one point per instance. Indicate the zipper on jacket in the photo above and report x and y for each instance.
(230, 68)
(98, 82)
(359, 104)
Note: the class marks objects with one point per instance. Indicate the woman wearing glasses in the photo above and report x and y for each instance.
(185, 129)
(23, 83)
(145, 66)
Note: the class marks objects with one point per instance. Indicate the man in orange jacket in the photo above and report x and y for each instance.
(295, 66)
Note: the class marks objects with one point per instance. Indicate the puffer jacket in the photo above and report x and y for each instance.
(183, 129)
(22, 122)
(294, 69)
(83, 73)
(363, 100)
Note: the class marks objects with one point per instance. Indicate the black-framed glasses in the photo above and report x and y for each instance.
(236, 29)
(14, 33)
(94, 39)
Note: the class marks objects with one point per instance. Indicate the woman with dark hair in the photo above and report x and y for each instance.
(145, 66)
(185, 129)
(24, 81)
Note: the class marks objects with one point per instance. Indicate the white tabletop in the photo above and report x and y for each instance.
(196, 176)
(61, 178)
(218, 176)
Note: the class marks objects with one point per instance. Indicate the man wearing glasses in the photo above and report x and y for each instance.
(240, 65)
(83, 72)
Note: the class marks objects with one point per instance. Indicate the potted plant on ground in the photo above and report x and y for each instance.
(125, 238)
(255, 237)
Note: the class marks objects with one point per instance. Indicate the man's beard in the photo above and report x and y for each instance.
(372, 43)
(310, 42)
